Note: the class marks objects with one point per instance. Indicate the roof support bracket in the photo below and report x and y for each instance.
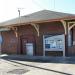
(64, 25)
(36, 26)
(71, 25)
(15, 30)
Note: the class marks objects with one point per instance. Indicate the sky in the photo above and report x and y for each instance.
(9, 8)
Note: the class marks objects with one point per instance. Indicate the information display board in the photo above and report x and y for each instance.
(54, 43)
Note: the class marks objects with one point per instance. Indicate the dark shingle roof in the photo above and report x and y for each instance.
(37, 16)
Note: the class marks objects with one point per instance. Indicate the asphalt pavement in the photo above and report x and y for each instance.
(25, 65)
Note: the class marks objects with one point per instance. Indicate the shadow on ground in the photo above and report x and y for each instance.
(12, 59)
(40, 68)
(41, 59)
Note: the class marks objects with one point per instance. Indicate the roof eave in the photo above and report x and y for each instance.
(41, 21)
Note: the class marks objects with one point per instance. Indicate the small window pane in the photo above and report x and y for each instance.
(47, 46)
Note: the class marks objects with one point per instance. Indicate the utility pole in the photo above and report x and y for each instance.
(19, 11)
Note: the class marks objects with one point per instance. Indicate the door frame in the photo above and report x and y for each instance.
(25, 37)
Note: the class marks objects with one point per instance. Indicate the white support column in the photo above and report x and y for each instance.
(36, 26)
(64, 25)
(64, 47)
(43, 46)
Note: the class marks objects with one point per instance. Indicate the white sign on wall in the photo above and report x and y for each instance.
(54, 43)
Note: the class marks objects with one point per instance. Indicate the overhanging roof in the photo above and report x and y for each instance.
(43, 15)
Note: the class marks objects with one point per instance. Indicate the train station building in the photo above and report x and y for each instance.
(43, 33)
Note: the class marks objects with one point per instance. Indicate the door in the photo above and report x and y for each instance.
(29, 49)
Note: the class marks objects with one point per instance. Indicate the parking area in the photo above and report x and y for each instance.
(22, 65)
